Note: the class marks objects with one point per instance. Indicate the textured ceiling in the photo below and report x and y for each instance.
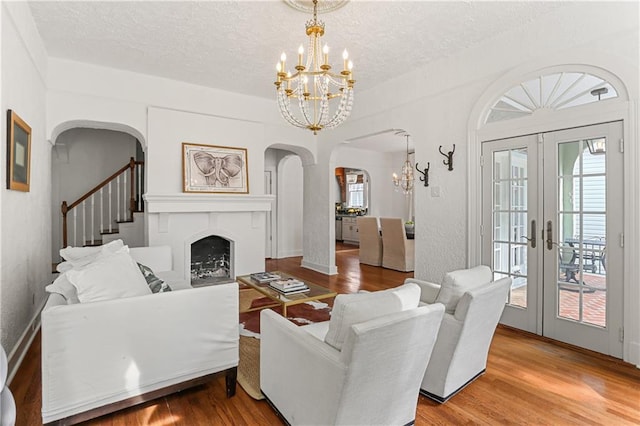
(234, 45)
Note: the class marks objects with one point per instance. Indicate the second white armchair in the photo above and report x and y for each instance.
(474, 304)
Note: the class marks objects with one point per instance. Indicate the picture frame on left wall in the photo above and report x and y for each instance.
(214, 169)
(18, 152)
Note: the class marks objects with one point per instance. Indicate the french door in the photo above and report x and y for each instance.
(552, 221)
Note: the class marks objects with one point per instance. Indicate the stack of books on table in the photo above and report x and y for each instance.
(289, 286)
(265, 277)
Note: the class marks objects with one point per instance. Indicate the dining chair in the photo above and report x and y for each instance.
(398, 252)
(370, 241)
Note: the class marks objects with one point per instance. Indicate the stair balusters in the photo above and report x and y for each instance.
(121, 204)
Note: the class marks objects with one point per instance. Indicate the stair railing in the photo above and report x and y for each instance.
(116, 198)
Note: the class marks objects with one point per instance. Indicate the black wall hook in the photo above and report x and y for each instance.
(449, 155)
(425, 174)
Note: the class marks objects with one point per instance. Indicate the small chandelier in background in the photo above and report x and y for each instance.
(405, 181)
(313, 84)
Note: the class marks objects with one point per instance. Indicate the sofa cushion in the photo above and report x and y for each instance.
(156, 285)
(350, 309)
(456, 283)
(110, 277)
(81, 256)
(63, 287)
(63, 267)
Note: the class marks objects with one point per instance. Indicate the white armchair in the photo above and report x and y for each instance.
(362, 367)
(474, 304)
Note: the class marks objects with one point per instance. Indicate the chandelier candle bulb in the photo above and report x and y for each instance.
(300, 55)
(345, 58)
(325, 51)
(283, 60)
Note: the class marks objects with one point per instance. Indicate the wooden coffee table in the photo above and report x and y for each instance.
(315, 292)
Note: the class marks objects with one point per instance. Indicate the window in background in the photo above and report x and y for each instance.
(355, 195)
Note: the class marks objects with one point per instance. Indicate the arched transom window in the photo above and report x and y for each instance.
(555, 91)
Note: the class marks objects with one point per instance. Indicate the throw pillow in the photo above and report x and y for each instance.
(79, 257)
(457, 283)
(350, 309)
(111, 277)
(155, 284)
(63, 267)
(63, 287)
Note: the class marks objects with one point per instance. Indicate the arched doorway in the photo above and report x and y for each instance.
(284, 179)
(83, 158)
(525, 219)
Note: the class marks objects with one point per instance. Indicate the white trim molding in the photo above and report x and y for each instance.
(191, 203)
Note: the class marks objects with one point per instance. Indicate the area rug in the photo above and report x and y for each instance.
(249, 365)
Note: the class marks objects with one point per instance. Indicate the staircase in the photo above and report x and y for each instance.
(112, 209)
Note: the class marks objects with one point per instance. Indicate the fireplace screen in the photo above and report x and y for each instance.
(211, 261)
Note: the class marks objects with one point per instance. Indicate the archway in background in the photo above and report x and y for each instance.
(284, 166)
(92, 124)
(83, 158)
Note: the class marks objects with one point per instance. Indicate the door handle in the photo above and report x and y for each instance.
(533, 239)
(550, 241)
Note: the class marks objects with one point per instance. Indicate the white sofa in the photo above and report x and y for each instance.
(363, 367)
(102, 356)
(474, 304)
(7, 403)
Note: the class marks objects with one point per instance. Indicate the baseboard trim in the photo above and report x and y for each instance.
(16, 356)
(442, 400)
(323, 269)
(290, 253)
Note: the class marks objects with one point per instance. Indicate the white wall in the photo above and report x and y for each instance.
(25, 234)
(290, 206)
(81, 159)
(168, 129)
(435, 104)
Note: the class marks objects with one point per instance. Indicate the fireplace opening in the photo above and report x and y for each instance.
(211, 261)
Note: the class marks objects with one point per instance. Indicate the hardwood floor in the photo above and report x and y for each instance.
(529, 380)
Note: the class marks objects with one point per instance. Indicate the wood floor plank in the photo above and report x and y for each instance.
(529, 380)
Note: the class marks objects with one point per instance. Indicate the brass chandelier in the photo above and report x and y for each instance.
(313, 86)
(404, 182)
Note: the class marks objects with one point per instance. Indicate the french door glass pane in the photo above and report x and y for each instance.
(581, 243)
(510, 221)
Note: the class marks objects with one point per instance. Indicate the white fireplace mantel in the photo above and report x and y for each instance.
(193, 203)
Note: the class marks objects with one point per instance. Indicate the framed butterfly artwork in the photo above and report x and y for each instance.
(216, 169)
